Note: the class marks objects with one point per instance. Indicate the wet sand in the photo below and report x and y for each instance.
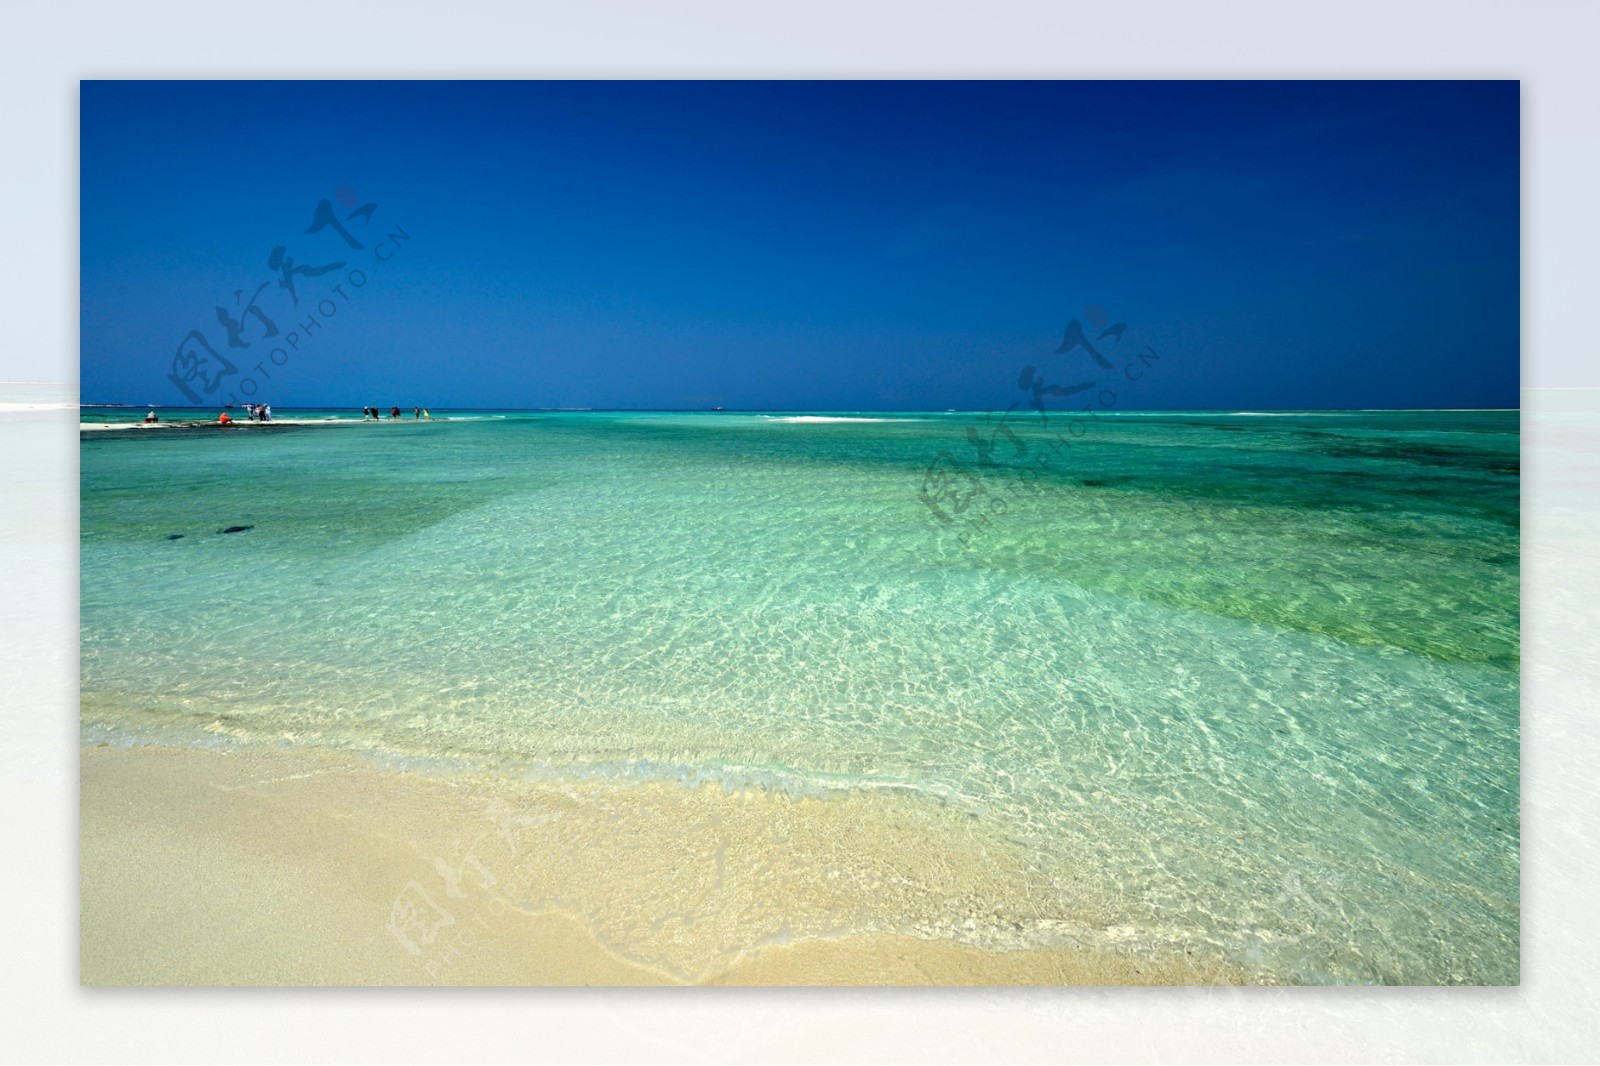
(292, 867)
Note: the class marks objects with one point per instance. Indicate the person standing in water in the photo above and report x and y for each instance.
(394, 412)
(416, 413)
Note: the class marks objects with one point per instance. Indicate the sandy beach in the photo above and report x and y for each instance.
(287, 867)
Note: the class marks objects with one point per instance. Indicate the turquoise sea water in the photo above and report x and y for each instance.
(1256, 675)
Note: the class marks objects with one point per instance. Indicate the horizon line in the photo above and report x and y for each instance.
(826, 410)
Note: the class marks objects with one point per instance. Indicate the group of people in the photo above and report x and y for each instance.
(262, 412)
(254, 412)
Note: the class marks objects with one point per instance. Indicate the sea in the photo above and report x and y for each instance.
(1253, 674)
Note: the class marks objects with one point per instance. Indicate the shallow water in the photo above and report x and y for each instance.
(1248, 684)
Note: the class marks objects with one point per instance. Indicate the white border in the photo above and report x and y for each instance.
(1549, 46)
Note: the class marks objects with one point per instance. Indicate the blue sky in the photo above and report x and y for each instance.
(801, 245)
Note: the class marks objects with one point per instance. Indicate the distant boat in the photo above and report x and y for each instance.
(716, 408)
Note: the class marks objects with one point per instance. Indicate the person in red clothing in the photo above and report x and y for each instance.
(224, 419)
(394, 412)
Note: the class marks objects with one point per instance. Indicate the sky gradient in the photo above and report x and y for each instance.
(801, 245)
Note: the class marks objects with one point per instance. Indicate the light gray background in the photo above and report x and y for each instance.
(1549, 46)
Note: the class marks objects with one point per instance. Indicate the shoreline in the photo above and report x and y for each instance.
(91, 427)
(305, 867)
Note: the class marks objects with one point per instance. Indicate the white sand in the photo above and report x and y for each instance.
(290, 867)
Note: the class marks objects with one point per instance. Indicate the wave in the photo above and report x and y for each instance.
(175, 731)
(835, 418)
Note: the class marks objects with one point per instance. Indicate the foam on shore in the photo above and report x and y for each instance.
(834, 418)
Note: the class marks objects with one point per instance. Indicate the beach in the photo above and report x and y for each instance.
(634, 698)
(272, 867)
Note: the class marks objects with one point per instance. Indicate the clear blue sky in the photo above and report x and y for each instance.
(803, 245)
